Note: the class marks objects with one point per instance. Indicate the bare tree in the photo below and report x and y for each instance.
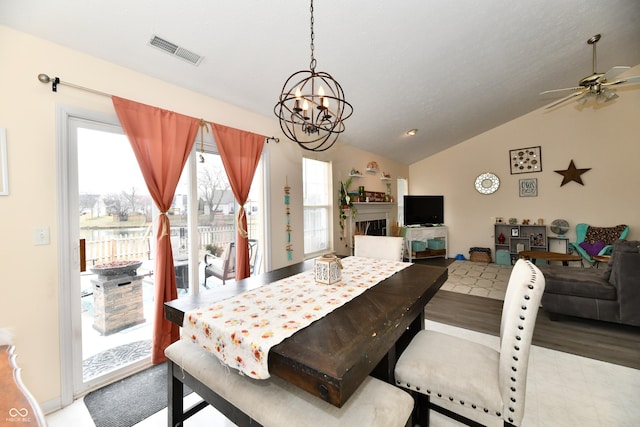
(87, 202)
(113, 204)
(212, 185)
(132, 202)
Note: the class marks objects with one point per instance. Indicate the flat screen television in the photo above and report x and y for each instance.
(423, 210)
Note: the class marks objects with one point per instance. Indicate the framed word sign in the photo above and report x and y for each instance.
(525, 160)
(529, 187)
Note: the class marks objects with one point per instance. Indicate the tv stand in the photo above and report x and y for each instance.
(431, 238)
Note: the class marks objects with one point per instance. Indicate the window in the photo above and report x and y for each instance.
(316, 205)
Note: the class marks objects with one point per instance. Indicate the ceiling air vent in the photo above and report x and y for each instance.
(175, 50)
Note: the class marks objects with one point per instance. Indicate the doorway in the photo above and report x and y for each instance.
(104, 204)
(116, 228)
(105, 219)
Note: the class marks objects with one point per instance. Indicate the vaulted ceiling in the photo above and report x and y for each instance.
(451, 69)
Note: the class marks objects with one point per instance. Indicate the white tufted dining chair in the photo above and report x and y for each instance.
(382, 247)
(471, 382)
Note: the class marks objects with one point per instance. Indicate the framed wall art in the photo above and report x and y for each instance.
(529, 187)
(515, 232)
(4, 175)
(525, 160)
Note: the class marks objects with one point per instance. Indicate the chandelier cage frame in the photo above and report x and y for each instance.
(312, 106)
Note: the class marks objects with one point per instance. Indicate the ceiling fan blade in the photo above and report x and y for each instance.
(615, 72)
(627, 80)
(561, 90)
(566, 98)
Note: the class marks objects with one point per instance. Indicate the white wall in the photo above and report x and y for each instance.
(605, 139)
(29, 274)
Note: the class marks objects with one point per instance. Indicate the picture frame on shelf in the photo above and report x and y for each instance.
(515, 232)
(528, 187)
(525, 160)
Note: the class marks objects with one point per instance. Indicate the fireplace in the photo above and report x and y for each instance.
(375, 227)
(372, 218)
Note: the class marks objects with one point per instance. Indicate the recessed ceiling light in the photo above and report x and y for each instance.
(412, 132)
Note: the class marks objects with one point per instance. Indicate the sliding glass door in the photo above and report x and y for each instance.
(107, 224)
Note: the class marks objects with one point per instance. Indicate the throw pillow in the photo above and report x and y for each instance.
(608, 235)
(592, 248)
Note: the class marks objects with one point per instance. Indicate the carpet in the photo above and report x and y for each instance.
(130, 400)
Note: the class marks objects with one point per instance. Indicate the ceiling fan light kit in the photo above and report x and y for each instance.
(597, 86)
(312, 106)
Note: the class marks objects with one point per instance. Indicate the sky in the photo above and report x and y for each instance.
(106, 163)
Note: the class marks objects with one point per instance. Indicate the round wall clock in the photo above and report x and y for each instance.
(487, 183)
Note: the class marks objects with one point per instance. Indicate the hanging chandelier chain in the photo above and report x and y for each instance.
(312, 65)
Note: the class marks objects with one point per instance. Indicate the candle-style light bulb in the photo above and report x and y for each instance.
(297, 108)
(321, 104)
(305, 109)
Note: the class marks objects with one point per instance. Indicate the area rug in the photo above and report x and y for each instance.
(131, 400)
(481, 279)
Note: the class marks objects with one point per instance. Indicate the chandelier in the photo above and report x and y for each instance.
(312, 108)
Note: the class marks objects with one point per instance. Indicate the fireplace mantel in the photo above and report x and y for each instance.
(372, 211)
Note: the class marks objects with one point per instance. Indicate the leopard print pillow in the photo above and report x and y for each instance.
(607, 235)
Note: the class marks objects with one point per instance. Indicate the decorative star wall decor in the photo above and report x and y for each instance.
(572, 174)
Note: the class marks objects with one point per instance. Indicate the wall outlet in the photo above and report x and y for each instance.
(41, 236)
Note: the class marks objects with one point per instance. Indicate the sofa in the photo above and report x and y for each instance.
(611, 294)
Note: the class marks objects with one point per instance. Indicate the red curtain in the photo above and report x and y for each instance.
(240, 152)
(161, 141)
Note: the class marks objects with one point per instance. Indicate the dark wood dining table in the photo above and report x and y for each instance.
(331, 357)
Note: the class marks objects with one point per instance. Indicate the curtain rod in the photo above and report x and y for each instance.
(44, 78)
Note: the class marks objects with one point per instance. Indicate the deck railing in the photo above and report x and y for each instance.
(137, 246)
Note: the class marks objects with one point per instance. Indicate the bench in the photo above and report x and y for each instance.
(273, 402)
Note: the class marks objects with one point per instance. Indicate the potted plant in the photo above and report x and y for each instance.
(214, 249)
(345, 206)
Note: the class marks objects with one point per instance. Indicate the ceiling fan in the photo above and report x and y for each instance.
(596, 86)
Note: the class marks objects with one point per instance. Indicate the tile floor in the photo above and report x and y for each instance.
(563, 390)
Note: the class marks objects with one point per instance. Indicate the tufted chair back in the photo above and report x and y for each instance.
(519, 313)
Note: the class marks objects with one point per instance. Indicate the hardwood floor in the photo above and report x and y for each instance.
(609, 342)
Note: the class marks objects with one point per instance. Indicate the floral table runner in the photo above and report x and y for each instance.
(241, 330)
